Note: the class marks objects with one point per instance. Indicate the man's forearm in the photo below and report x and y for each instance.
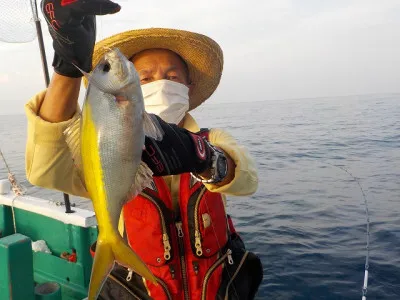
(61, 100)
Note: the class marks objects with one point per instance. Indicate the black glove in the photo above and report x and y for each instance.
(180, 151)
(72, 25)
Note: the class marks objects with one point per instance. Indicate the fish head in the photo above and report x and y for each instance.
(114, 74)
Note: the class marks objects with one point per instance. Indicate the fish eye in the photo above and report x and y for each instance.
(106, 67)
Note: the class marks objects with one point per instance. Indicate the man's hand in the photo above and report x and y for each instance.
(180, 151)
(72, 25)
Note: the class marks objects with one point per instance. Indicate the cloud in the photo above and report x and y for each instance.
(273, 49)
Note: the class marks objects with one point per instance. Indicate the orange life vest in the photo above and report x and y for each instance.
(186, 251)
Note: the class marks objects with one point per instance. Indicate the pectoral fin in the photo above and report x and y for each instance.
(143, 179)
(72, 137)
(152, 127)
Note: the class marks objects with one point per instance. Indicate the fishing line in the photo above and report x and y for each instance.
(366, 268)
(17, 188)
(365, 285)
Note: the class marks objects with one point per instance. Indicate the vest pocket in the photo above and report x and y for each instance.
(148, 227)
(240, 280)
(207, 223)
(117, 286)
(227, 257)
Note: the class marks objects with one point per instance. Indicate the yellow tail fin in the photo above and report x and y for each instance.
(102, 265)
(104, 258)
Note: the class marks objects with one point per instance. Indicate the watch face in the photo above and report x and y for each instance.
(222, 166)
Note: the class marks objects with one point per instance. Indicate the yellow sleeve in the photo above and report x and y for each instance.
(48, 161)
(245, 181)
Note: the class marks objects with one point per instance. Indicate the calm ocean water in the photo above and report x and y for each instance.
(307, 219)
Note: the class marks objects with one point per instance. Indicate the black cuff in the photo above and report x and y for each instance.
(66, 69)
(63, 68)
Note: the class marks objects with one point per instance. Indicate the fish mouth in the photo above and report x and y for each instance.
(122, 100)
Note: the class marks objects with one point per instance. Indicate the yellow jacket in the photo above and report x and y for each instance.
(49, 163)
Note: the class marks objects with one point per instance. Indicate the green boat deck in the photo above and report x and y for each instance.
(39, 219)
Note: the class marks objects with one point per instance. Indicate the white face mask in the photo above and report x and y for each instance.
(167, 99)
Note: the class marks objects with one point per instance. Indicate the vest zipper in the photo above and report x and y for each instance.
(165, 238)
(235, 274)
(182, 259)
(228, 255)
(129, 276)
(195, 267)
(123, 285)
(165, 287)
(172, 270)
(197, 236)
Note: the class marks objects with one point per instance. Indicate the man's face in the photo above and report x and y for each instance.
(157, 64)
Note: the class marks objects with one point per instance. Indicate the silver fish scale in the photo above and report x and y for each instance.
(120, 140)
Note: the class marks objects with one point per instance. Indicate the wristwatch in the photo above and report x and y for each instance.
(218, 168)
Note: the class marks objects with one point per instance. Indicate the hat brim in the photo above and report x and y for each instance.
(202, 55)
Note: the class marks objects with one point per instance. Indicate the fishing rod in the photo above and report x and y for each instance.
(367, 219)
(46, 75)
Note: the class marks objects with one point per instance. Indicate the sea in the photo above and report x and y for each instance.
(319, 162)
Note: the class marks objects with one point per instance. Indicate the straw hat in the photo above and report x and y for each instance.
(202, 55)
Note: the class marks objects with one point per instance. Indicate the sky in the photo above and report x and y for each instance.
(273, 49)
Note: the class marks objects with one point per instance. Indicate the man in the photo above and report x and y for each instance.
(179, 226)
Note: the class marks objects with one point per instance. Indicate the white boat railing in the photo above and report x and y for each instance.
(80, 217)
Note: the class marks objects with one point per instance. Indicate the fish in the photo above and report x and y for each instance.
(106, 142)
